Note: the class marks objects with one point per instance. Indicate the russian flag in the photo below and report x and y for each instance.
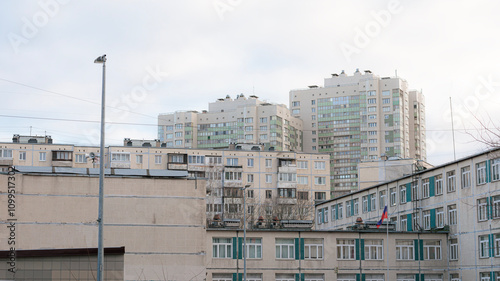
(384, 216)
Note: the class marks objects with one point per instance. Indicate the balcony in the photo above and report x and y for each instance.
(62, 158)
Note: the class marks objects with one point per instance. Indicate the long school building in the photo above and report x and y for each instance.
(462, 196)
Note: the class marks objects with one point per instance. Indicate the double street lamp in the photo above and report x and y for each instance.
(100, 249)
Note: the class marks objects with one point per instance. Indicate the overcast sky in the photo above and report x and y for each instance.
(165, 56)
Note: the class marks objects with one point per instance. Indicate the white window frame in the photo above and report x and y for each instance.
(42, 156)
(427, 219)
(482, 209)
(431, 251)
(313, 249)
(285, 248)
(451, 183)
(439, 184)
(80, 158)
(22, 155)
(319, 165)
(452, 215)
(269, 163)
(425, 188)
(484, 246)
(225, 245)
(138, 159)
(481, 172)
(250, 162)
(158, 159)
(495, 169)
(254, 245)
(346, 249)
(374, 251)
(439, 217)
(465, 177)
(405, 250)
(453, 249)
(394, 196)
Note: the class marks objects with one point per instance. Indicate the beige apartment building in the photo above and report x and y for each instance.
(241, 120)
(462, 197)
(279, 184)
(359, 118)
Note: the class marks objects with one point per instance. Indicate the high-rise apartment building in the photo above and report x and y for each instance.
(360, 118)
(242, 120)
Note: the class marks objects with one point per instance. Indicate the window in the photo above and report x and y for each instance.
(120, 157)
(432, 250)
(386, 101)
(80, 158)
(295, 103)
(340, 212)
(269, 163)
(454, 277)
(178, 126)
(303, 195)
(263, 137)
(427, 220)
(285, 248)
(249, 120)
(374, 277)
(158, 159)
(381, 199)
(269, 194)
(356, 206)
(222, 277)
(404, 250)
(372, 101)
(452, 214)
(269, 178)
(440, 217)
(465, 178)
(496, 245)
(345, 249)
(393, 196)
(5, 153)
(254, 248)
(313, 249)
(484, 249)
(249, 128)
(373, 203)
(496, 207)
(450, 181)
(365, 204)
(42, 155)
(319, 180)
(250, 162)
(319, 165)
(481, 173)
(175, 158)
(222, 248)
(425, 188)
(402, 194)
(250, 193)
(284, 277)
(196, 159)
(250, 178)
(138, 159)
(314, 277)
(453, 249)
(286, 192)
(373, 124)
(287, 177)
(482, 208)
(232, 161)
(178, 134)
(348, 205)
(263, 120)
(302, 179)
(232, 176)
(263, 128)
(319, 195)
(170, 136)
(374, 250)
(439, 184)
(178, 142)
(495, 168)
(403, 225)
(295, 111)
(214, 160)
(302, 164)
(22, 155)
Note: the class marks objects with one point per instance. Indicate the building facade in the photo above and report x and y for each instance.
(242, 120)
(462, 196)
(280, 184)
(299, 254)
(359, 118)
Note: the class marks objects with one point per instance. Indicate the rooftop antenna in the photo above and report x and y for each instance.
(396, 73)
(30, 130)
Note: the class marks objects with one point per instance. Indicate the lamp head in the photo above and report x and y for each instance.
(101, 59)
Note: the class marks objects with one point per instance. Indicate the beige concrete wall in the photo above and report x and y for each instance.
(159, 221)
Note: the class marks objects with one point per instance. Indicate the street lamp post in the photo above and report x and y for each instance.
(245, 233)
(100, 249)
